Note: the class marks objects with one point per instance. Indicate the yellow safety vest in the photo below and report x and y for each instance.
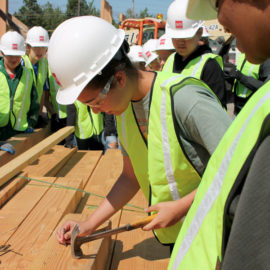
(199, 243)
(164, 165)
(195, 66)
(60, 109)
(247, 69)
(16, 110)
(42, 74)
(87, 122)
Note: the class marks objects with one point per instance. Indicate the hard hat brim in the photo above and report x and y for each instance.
(12, 52)
(34, 44)
(153, 57)
(200, 10)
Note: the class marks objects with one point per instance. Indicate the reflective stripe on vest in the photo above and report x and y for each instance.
(170, 173)
(195, 66)
(87, 122)
(41, 76)
(199, 243)
(21, 101)
(247, 69)
(60, 109)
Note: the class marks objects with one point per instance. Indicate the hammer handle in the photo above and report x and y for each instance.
(142, 222)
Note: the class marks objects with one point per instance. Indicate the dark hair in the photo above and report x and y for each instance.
(120, 61)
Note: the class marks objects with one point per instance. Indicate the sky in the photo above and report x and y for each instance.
(118, 6)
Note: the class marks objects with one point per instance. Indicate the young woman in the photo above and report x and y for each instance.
(168, 124)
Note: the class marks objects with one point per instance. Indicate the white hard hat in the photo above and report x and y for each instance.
(164, 43)
(79, 49)
(178, 25)
(12, 43)
(148, 51)
(37, 36)
(135, 54)
(205, 32)
(201, 10)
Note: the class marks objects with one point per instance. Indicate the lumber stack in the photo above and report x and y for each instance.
(65, 184)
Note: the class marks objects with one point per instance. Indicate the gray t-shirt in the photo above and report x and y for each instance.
(200, 118)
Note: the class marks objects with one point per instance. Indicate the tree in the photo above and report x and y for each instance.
(30, 13)
(144, 13)
(51, 17)
(92, 9)
(72, 8)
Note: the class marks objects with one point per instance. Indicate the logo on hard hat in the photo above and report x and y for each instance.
(41, 38)
(178, 24)
(140, 54)
(148, 54)
(162, 41)
(56, 79)
(15, 46)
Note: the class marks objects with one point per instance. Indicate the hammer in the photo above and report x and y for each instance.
(76, 241)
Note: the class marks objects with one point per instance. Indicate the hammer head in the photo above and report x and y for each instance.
(76, 241)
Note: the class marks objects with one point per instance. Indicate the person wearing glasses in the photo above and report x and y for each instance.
(228, 224)
(168, 124)
(191, 58)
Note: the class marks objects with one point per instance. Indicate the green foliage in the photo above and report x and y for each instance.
(143, 14)
(32, 14)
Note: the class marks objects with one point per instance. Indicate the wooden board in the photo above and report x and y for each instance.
(82, 165)
(38, 226)
(55, 256)
(138, 249)
(17, 164)
(8, 190)
(51, 162)
(23, 142)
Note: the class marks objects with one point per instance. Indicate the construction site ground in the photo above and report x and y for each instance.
(45, 184)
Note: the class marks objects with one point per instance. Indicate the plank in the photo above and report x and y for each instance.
(55, 256)
(17, 209)
(46, 165)
(29, 239)
(51, 162)
(17, 164)
(8, 190)
(23, 142)
(138, 249)
(81, 165)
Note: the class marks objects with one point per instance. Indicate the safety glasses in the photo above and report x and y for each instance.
(102, 95)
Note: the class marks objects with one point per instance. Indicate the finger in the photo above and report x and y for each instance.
(151, 226)
(151, 208)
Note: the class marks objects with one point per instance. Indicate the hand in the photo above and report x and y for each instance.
(29, 130)
(4, 146)
(169, 213)
(232, 73)
(63, 233)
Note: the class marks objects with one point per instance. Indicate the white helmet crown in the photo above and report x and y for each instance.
(12, 43)
(37, 36)
(79, 49)
(178, 25)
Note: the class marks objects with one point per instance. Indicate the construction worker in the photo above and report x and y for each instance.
(37, 41)
(247, 78)
(151, 58)
(135, 55)
(88, 127)
(19, 106)
(228, 224)
(61, 110)
(190, 58)
(168, 124)
(164, 49)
